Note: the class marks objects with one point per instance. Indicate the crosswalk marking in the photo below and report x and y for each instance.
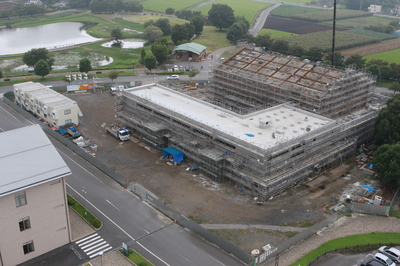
(93, 245)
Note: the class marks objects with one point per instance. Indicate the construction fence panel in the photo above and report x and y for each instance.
(199, 230)
(369, 208)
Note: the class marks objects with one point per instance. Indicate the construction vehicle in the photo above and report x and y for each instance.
(119, 132)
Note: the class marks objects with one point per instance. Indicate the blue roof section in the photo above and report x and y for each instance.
(176, 154)
(191, 47)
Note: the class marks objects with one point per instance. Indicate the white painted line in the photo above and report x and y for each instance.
(119, 227)
(112, 204)
(8, 113)
(97, 250)
(104, 243)
(97, 254)
(83, 239)
(88, 244)
(81, 166)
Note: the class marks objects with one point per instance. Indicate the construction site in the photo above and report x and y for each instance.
(268, 122)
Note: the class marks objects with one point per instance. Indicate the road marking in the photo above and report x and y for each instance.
(81, 166)
(83, 239)
(93, 245)
(118, 226)
(112, 204)
(8, 113)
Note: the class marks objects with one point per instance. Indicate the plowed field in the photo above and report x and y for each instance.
(372, 48)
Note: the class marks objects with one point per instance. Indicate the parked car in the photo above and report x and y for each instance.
(187, 68)
(385, 260)
(392, 253)
(176, 68)
(181, 68)
(173, 77)
(372, 263)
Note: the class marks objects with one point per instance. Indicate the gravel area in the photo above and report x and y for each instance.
(79, 227)
(345, 226)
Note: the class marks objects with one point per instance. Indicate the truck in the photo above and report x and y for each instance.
(119, 132)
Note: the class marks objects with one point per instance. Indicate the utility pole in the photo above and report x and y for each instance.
(334, 32)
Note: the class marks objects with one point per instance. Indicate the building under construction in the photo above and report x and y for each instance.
(273, 121)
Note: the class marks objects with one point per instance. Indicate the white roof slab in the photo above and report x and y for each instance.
(284, 122)
(28, 158)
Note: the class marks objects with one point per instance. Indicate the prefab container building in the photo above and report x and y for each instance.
(51, 106)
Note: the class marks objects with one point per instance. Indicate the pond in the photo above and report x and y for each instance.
(128, 43)
(50, 36)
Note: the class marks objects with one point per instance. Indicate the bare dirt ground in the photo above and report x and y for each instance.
(187, 193)
(372, 48)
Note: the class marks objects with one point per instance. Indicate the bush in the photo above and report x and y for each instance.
(6, 79)
(98, 72)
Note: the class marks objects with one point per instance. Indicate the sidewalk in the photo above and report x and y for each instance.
(345, 226)
(254, 226)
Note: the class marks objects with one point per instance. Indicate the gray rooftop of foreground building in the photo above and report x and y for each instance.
(265, 128)
(27, 159)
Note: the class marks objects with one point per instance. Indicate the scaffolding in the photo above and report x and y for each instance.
(265, 170)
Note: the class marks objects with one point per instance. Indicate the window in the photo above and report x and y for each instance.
(20, 199)
(68, 121)
(24, 224)
(28, 247)
(66, 112)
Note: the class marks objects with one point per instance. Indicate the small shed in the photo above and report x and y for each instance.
(176, 154)
(191, 50)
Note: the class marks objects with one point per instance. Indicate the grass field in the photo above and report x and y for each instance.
(372, 238)
(314, 14)
(213, 39)
(160, 6)
(246, 8)
(344, 39)
(275, 33)
(363, 21)
(143, 19)
(390, 56)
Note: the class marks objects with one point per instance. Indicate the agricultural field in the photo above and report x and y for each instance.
(364, 21)
(314, 14)
(296, 26)
(161, 6)
(275, 33)
(372, 49)
(142, 19)
(343, 39)
(246, 8)
(392, 56)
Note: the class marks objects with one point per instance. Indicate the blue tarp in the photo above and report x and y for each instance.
(176, 154)
(370, 189)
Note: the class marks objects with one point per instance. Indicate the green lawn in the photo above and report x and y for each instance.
(136, 258)
(372, 238)
(143, 19)
(246, 8)
(96, 223)
(275, 33)
(161, 6)
(213, 39)
(389, 56)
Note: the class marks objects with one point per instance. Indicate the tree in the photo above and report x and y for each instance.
(387, 130)
(395, 71)
(169, 11)
(133, 6)
(187, 14)
(85, 65)
(379, 68)
(163, 24)
(150, 61)
(153, 33)
(112, 75)
(235, 33)
(179, 34)
(280, 46)
(1, 73)
(31, 57)
(160, 50)
(42, 68)
(117, 33)
(296, 50)
(264, 41)
(314, 54)
(142, 55)
(355, 60)
(395, 86)
(387, 163)
(221, 16)
(198, 25)
(338, 59)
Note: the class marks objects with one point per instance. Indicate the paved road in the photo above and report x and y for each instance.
(125, 217)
